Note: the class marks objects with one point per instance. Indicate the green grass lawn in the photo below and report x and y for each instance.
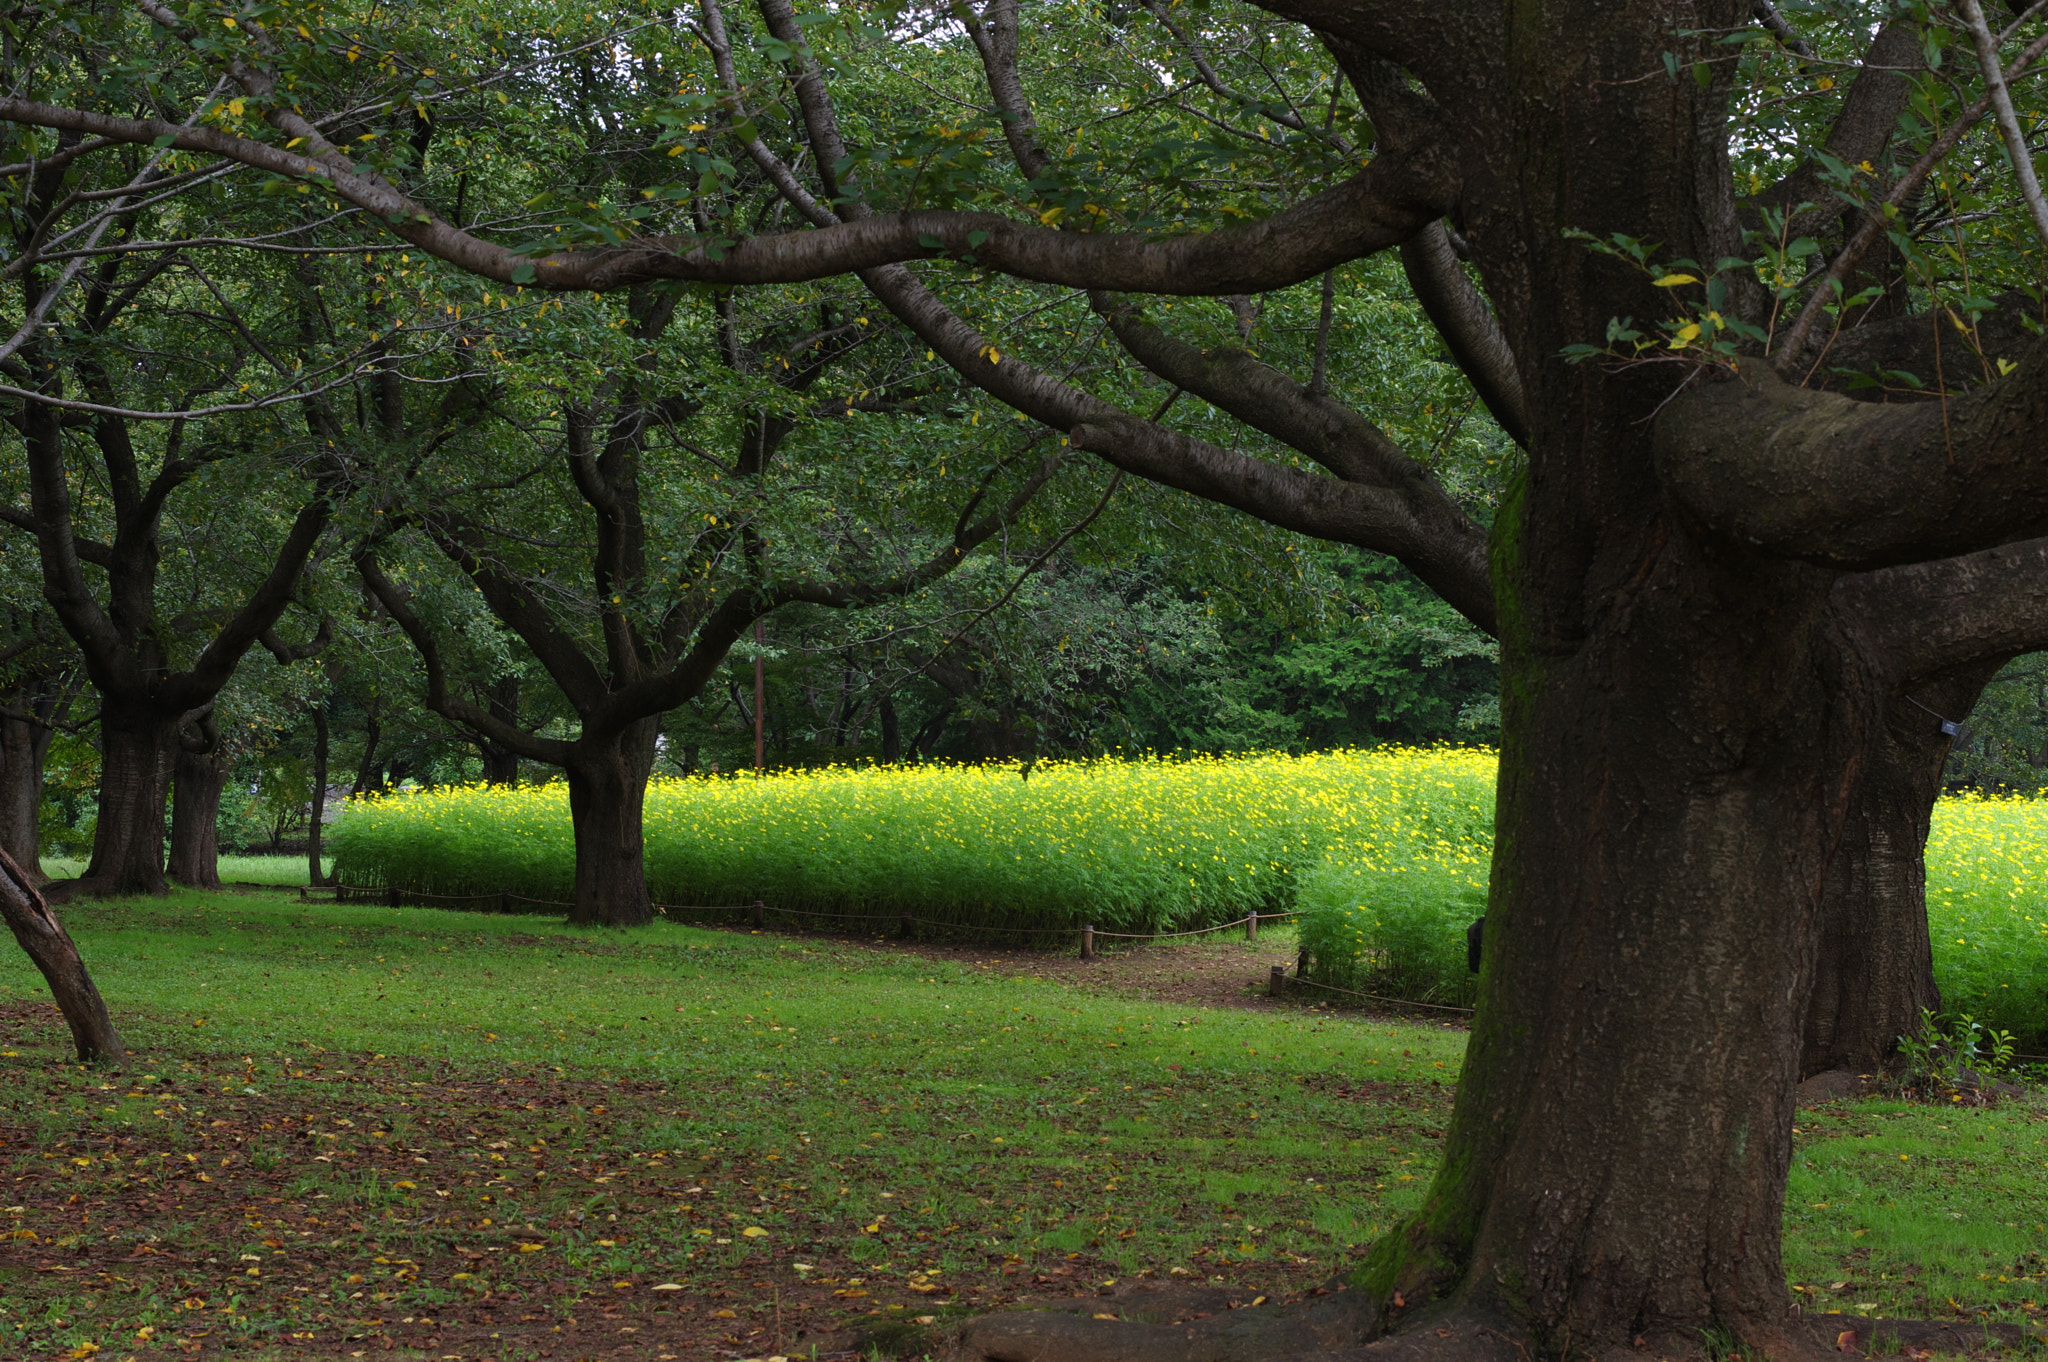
(278, 870)
(486, 1136)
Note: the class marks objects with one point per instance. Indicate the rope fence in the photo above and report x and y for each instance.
(1283, 983)
(1280, 983)
(504, 901)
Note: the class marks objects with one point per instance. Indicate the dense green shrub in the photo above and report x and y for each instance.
(1394, 930)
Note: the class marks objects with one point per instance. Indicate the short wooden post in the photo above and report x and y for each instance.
(392, 892)
(760, 914)
(1251, 925)
(903, 926)
(504, 900)
(1301, 963)
(1088, 942)
(1276, 982)
(302, 893)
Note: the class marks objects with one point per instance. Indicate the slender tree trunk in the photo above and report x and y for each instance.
(892, 731)
(1875, 966)
(501, 764)
(316, 821)
(607, 791)
(135, 760)
(366, 769)
(24, 746)
(46, 942)
(760, 696)
(196, 781)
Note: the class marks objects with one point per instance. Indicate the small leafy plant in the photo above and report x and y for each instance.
(1949, 1058)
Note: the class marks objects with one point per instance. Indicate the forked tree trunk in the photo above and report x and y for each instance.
(24, 746)
(46, 942)
(1874, 970)
(607, 792)
(128, 843)
(196, 781)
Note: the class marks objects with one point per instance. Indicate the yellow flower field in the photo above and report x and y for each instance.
(1128, 845)
(1388, 848)
(1987, 911)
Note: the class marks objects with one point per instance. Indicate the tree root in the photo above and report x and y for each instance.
(1861, 1337)
(1331, 1327)
(1172, 1326)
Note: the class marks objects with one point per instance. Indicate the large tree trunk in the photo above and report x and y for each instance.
(1666, 788)
(607, 790)
(196, 781)
(46, 942)
(24, 746)
(128, 843)
(1875, 966)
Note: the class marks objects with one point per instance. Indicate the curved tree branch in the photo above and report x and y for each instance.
(1379, 207)
(1353, 513)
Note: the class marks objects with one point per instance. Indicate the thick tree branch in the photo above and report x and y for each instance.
(1419, 524)
(258, 614)
(1471, 333)
(995, 38)
(515, 604)
(1929, 346)
(1862, 128)
(453, 708)
(1791, 350)
(1925, 620)
(1787, 36)
(1815, 476)
(734, 615)
(288, 653)
(1379, 207)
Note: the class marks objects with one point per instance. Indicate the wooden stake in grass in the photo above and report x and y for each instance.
(50, 946)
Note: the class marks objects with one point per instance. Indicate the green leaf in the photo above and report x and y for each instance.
(522, 274)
